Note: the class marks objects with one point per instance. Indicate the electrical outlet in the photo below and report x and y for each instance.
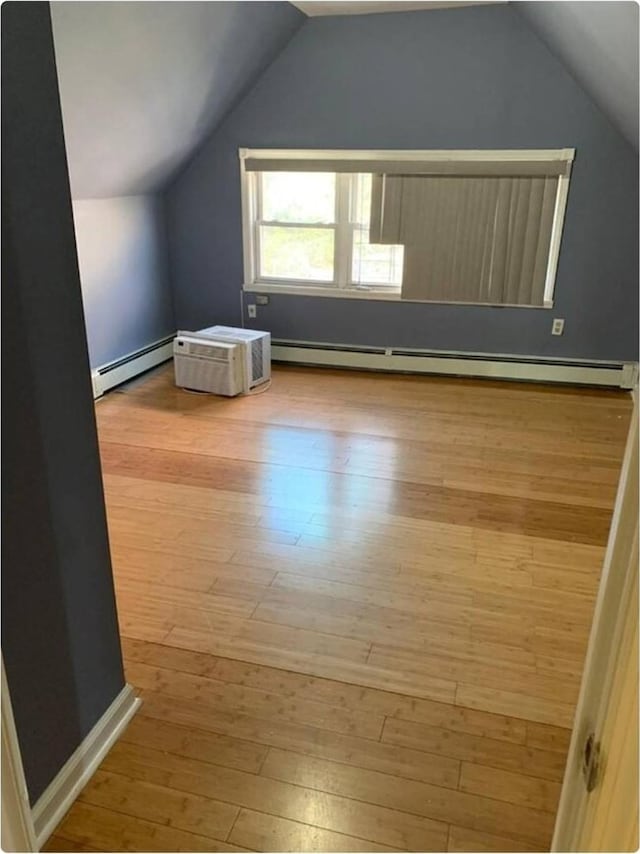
(557, 327)
(262, 299)
(251, 310)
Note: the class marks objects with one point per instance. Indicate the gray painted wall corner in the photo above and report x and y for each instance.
(122, 254)
(141, 85)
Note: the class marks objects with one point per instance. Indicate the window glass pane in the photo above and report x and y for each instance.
(296, 253)
(372, 264)
(375, 264)
(298, 197)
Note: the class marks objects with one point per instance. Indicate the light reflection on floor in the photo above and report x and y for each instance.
(315, 489)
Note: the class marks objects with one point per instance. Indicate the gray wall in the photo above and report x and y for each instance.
(458, 78)
(122, 255)
(59, 628)
(598, 41)
(142, 83)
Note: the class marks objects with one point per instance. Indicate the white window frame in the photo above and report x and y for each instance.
(257, 222)
(343, 228)
(341, 288)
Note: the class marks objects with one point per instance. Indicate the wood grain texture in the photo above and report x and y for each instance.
(464, 839)
(356, 609)
(263, 832)
(59, 844)
(513, 788)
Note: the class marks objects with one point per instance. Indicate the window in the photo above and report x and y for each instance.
(480, 227)
(312, 229)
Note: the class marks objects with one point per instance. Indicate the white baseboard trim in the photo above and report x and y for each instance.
(611, 374)
(17, 826)
(57, 798)
(129, 366)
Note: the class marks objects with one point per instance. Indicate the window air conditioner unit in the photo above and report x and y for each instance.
(222, 360)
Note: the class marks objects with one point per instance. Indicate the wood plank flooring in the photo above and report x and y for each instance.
(356, 608)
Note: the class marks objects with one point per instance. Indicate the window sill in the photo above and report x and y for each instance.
(352, 293)
(332, 292)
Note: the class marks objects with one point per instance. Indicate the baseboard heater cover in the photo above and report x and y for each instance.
(119, 371)
(622, 375)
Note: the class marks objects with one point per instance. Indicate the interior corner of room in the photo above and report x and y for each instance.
(374, 588)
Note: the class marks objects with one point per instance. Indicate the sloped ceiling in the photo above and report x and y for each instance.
(315, 8)
(598, 43)
(141, 84)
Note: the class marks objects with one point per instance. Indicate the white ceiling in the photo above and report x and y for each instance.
(312, 8)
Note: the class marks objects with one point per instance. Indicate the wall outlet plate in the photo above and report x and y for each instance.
(557, 327)
(262, 299)
(251, 310)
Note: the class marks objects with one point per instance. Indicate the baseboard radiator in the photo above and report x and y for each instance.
(126, 368)
(623, 375)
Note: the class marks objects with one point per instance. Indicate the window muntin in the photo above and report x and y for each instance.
(375, 264)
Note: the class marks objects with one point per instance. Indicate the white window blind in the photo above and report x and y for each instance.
(479, 239)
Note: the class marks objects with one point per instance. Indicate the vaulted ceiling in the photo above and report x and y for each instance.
(596, 40)
(315, 8)
(143, 84)
(598, 43)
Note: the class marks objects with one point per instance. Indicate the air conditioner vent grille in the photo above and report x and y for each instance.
(257, 363)
(209, 352)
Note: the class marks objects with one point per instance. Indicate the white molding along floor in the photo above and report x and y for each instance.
(60, 794)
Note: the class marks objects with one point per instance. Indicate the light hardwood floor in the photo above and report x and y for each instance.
(356, 609)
